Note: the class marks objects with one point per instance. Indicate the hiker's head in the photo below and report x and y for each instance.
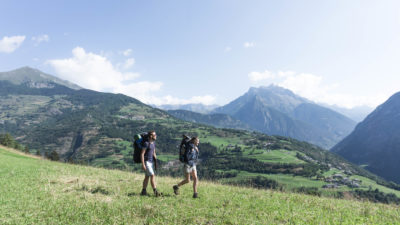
(195, 140)
(152, 135)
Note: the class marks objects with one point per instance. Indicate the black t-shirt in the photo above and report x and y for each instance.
(148, 155)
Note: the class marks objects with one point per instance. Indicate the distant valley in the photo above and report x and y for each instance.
(357, 114)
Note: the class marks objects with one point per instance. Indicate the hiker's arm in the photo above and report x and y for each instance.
(142, 159)
(155, 159)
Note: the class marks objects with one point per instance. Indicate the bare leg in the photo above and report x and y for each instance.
(195, 181)
(145, 182)
(153, 182)
(186, 180)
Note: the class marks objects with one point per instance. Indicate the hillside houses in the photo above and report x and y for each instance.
(338, 180)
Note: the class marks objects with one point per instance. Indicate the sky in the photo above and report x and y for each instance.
(344, 53)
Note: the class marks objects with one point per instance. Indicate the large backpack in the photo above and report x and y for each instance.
(138, 141)
(183, 147)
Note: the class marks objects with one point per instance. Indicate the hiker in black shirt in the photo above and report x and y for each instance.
(189, 168)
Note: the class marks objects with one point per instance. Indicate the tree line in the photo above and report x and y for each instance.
(8, 141)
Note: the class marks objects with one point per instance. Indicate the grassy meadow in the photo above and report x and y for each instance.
(37, 191)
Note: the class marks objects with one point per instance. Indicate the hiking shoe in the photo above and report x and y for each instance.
(144, 192)
(195, 195)
(156, 193)
(176, 189)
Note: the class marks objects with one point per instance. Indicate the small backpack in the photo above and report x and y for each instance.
(182, 148)
(138, 141)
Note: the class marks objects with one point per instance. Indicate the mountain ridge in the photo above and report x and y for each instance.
(34, 78)
(277, 111)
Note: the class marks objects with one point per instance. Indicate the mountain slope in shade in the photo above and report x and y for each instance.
(34, 78)
(269, 120)
(323, 118)
(375, 142)
(275, 110)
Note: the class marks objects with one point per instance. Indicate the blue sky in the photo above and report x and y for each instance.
(337, 52)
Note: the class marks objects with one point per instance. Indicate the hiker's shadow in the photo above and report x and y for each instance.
(131, 194)
(163, 195)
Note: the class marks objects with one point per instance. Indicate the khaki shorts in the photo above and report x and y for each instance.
(149, 168)
(189, 169)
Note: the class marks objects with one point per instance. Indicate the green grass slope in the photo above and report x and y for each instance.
(36, 191)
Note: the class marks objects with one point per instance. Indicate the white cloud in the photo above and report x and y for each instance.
(249, 44)
(128, 63)
(127, 52)
(206, 100)
(130, 76)
(96, 72)
(312, 87)
(307, 85)
(142, 90)
(40, 38)
(10, 44)
(259, 76)
(269, 76)
(351, 101)
(90, 71)
(286, 73)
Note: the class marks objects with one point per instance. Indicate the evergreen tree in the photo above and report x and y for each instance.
(26, 149)
(54, 156)
(6, 140)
